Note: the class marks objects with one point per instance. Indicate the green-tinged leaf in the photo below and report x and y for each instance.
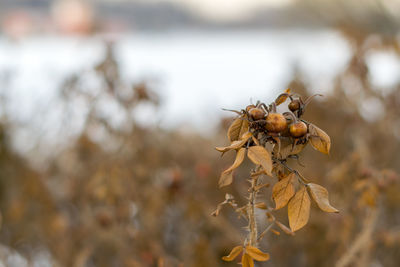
(260, 156)
(257, 254)
(238, 128)
(234, 253)
(321, 197)
(299, 209)
(319, 139)
(283, 191)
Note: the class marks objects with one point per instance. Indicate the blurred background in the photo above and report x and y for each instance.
(110, 112)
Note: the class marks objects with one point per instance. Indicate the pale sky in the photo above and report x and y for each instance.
(227, 9)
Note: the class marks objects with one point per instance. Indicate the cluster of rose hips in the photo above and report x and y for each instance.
(263, 118)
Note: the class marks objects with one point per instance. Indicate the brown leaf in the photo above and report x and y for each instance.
(260, 156)
(239, 159)
(247, 261)
(235, 144)
(257, 254)
(238, 128)
(319, 139)
(320, 196)
(225, 179)
(234, 253)
(287, 148)
(281, 98)
(284, 228)
(299, 209)
(283, 191)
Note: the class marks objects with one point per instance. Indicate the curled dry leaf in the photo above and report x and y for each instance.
(281, 98)
(284, 228)
(247, 261)
(260, 156)
(235, 144)
(299, 209)
(283, 191)
(320, 196)
(238, 128)
(239, 159)
(257, 254)
(319, 139)
(233, 254)
(227, 176)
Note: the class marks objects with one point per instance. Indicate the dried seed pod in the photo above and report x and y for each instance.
(276, 123)
(298, 129)
(257, 114)
(294, 105)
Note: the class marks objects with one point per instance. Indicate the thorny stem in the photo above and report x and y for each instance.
(251, 213)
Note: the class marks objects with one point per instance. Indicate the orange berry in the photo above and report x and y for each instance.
(298, 129)
(276, 123)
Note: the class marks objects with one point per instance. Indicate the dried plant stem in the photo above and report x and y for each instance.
(251, 213)
(361, 241)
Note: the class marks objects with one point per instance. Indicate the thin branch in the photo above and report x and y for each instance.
(265, 231)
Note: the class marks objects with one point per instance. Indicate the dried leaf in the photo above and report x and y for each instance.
(257, 254)
(235, 144)
(260, 156)
(287, 148)
(284, 228)
(238, 128)
(234, 253)
(319, 139)
(283, 191)
(299, 209)
(247, 261)
(281, 98)
(320, 196)
(225, 179)
(239, 159)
